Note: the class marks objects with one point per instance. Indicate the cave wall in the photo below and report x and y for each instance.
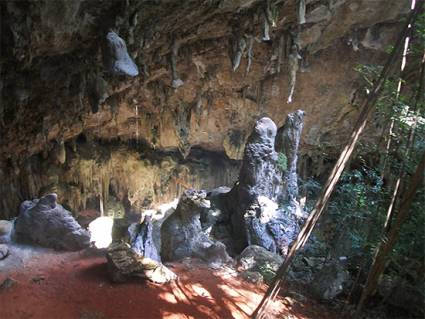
(53, 87)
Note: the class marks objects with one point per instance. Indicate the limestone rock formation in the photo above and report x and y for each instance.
(287, 142)
(4, 251)
(116, 58)
(124, 263)
(256, 217)
(5, 231)
(46, 223)
(182, 235)
(53, 87)
(141, 239)
(258, 178)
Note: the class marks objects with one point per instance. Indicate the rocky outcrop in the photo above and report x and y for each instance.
(258, 178)
(141, 239)
(256, 218)
(124, 263)
(182, 235)
(46, 223)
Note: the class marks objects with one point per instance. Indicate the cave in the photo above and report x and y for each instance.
(212, 159)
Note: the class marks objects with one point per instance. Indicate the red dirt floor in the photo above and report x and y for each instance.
(76, 285)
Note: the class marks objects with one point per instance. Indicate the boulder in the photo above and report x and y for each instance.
(46, 223)
(124, 263)
(256, 261)
(329, 281)
(5, 231)
(182, 235)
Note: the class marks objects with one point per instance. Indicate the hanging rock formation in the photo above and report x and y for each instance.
(116, 58)
(46, 223)
(182, 235)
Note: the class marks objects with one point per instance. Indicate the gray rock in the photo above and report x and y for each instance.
(46, 223)
(287, 142)
(4, 251)
(5, 231)
(182, 235)
(256, 262)
(124, 263)
(116, 58)
(329, 281)
(254, 258)
(141, 239)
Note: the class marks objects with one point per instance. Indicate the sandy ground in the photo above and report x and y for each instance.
(50, 284)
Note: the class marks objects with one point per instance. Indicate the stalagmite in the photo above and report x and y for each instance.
(301, 11)
(287, 142)
(241, 46)
(293, 69)
(266, 29)
(175, 80)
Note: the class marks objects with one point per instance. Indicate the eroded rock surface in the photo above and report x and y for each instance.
(141, 239)
(182, 235)
(124, 263)
(46, 223)
(5, 231)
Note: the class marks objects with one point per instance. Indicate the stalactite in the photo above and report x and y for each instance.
(250, 54)
(176, 82)
(293, 69)
(301, 11)
(240, 49)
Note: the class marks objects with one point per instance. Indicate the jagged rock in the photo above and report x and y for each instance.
(4, 251)
(124, 263)
(116, 58)
(46, 223)
(182, 235)
(141, 239)
(5, 231)
(258, 177)
(329, 281)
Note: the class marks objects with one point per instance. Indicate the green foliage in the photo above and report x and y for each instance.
(282, 162)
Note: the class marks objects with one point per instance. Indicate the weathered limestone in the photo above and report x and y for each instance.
(124, 263)
(116, 58)
(46, 223)
(182, 235)
(287, 143)
(141, 239)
